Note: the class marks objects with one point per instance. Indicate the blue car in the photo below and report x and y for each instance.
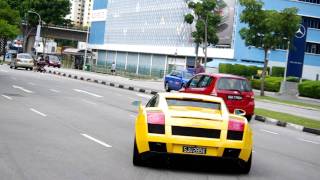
(176, 79)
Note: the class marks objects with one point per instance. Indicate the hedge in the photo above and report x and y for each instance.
(310, 89)
(277, 71)
(271, 84)
(240, 70)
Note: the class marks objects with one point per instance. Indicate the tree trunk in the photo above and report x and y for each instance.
(264, 71)
(205, 42)
(196, 51)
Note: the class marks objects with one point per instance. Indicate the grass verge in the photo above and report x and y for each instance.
(310, 123)
(288, 102)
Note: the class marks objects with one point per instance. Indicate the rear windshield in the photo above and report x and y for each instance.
(24, 56)
(193, 103)
(234, 84)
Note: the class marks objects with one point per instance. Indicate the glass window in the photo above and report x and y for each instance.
(24, 56)
(187, 75)
(193, 103)
(205, 82)
(233, 84)
(193, 83)
(153, 101)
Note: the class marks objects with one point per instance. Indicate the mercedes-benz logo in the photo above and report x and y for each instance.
(301, 31)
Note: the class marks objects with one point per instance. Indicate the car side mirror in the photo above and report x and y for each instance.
(239, 112)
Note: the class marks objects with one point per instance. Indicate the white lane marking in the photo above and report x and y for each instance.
(271, 132)
(89, 102)
(22, 89)
(7, 97)
(96, 140)
(305, 140)
(144, 96)
(32, 84)
(54, 90)
(86, 92)
(38, 112)
(4, 71)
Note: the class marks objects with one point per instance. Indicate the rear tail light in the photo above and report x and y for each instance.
(156, 117)
(235, 129)
(156, 122)
(236, 125)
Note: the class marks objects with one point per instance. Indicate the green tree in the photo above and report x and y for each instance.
(267, 29)
(9, 21)
(206, 18)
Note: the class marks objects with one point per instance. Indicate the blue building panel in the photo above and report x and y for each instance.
(100, 4)
(97, 32)
(313, 35)
(312, 59)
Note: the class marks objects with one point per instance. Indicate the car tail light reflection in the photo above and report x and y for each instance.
(236, 125)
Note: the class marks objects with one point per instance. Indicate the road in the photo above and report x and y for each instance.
(59, 128)
(158, 86)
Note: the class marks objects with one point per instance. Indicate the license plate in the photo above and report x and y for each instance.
(231, 97)
(194, 150)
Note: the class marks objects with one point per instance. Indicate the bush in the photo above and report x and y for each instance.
(240, 70)
(277, 71)
(271, 84)
(292, 79)
(310, 89)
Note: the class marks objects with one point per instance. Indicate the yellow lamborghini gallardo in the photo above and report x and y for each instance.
(192, 125)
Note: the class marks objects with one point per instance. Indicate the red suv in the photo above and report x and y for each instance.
(235, 90)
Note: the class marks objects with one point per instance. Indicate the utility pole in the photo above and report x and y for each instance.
(38, 30)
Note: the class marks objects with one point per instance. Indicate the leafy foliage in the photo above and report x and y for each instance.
(310, 89)
(267, 29)
(204, 10)
(9, 21)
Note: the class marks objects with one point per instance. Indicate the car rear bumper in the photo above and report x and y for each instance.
(24, 65)
(215, 148)
(249, 108)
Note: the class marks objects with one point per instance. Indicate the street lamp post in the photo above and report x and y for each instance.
(38, 30)
(286, 64)
(86, 49)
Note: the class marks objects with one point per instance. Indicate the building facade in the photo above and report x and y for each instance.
(151, 38)
(80, 12)
(309, 10)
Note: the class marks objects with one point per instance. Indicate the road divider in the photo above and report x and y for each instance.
(96, 140)
(22, 89)
(7, 97)
(38, 112)
(89, 93)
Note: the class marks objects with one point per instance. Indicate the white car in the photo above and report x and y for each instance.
(22, 60)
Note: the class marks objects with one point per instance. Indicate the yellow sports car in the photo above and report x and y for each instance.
(192, 125)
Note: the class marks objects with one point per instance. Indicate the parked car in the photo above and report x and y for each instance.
(176, 79)
(235, 90)
(22, 60)
(191, 126)
(53, 61)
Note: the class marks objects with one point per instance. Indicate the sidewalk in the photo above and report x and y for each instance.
(152, 87)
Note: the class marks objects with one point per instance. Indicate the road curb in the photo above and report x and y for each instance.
(102, 82)
(286, 124)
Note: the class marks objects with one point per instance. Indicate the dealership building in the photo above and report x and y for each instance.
(151, 38)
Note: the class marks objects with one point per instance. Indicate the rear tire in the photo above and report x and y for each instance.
(245, 167)
(166, 87)
(137, 159)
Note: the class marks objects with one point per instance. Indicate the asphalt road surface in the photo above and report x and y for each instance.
(58, 128)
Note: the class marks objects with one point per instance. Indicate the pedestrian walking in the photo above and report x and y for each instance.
(113, 68)
(199, 67)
